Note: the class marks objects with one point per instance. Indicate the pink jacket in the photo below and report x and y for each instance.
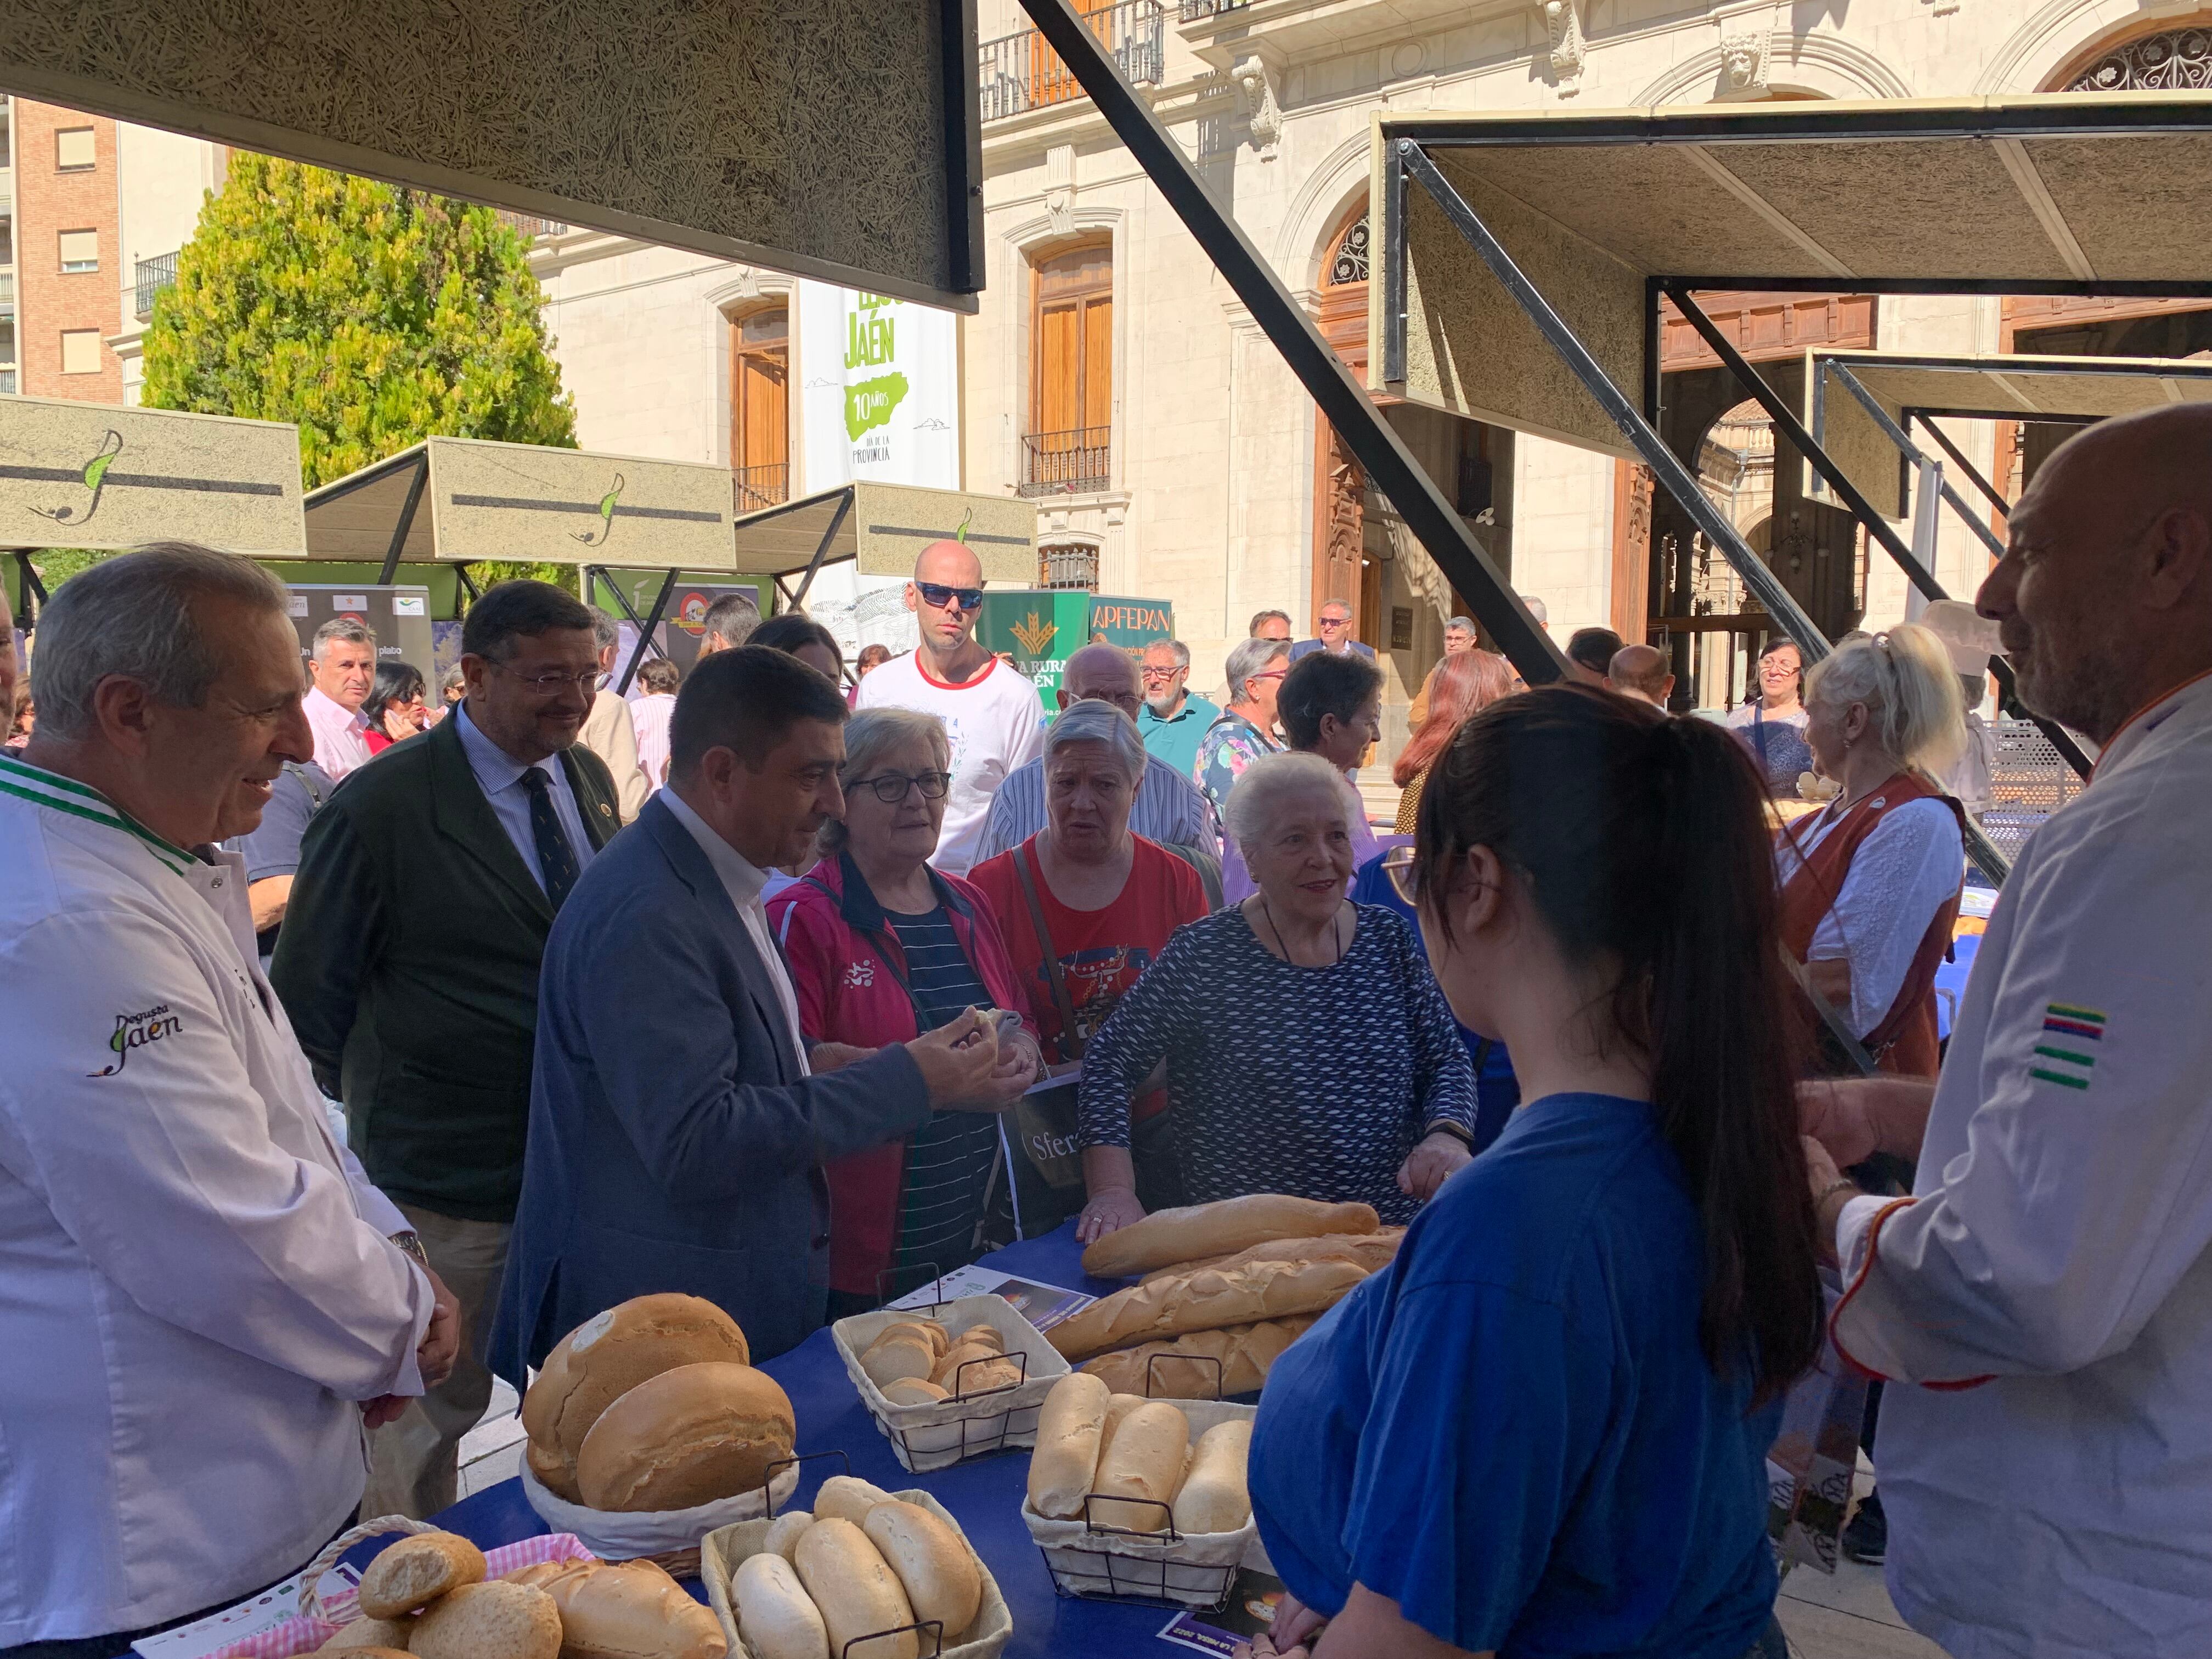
(849, 972)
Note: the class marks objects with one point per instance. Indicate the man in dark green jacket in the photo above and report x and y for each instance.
(409, 966)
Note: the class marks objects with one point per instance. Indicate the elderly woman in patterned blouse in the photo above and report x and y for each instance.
(1308, 1048)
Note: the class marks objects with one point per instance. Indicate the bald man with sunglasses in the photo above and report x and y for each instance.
(993, 716)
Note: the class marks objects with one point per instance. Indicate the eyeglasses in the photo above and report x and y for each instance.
(1165, 674)
(1336, 621)
(552, 684)
(890, 788)
(1399, 865)
(937, 597)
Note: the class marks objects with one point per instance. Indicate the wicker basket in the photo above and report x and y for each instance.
(723, 1550)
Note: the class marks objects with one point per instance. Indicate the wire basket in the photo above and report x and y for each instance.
(971, 1424)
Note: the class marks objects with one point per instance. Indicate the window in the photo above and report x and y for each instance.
(79, 251)
(1068, 446)
(7, 241)
(74, 151)
(80, 351)
(760, 408)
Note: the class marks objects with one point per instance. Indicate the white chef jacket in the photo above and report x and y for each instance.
(2049, 1492)
(195, 1279)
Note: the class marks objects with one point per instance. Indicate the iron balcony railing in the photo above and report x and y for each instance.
(1073, 567)
(153, 275)
(530, 225)
(1020, 71)
(1066, 463)
(6, 293)
(763, 486)
(1193, 11)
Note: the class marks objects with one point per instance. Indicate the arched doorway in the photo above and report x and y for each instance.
(1341, 567)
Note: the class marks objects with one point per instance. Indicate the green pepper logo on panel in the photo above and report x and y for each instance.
(95, 479)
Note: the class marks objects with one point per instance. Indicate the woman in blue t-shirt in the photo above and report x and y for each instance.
(1542, 1430)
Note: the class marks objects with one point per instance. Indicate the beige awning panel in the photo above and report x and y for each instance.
(837, 139)
(2025, 387)
(91, 476)
(1592, 204)
(885, 526)
(524, 501)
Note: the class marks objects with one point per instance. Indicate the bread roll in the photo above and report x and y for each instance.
(783, 1532)
(1207, 1300)
(897, 1359)
(1239, 1357)
(1118, 1406)
(915, 1391)
(932, 1565)
(1070, 1425)
(967, 1372)
(927, 1329)
(632, 1610)
(686, 1436)
(607, 1356)
(776, 1617)
(988, 1336)
(488, 1621)
(847, 1498)
(1196, 1230)
(857, 1593)
(379, 1634)
(1372, 1251)
(1214, 1498)
(410, 1575)
(1145, 1462)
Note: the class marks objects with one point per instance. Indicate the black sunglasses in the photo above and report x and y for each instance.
(971, 598)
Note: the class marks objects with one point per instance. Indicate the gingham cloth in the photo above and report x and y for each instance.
(298, 1636)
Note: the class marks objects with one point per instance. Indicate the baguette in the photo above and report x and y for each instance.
(783, 1532)
(931, 1563)
(1167, 1236)
(1071, 1425)
(1118, 1406)
(631, 1610)
(1146, 1464)
(1372, 1251)
(1205, 1300)
(1213, 1496)
(1244, 1352)
(847, 1498)
(408, 1575)
(776, 1617)
(497, 1621)
(857, 1593)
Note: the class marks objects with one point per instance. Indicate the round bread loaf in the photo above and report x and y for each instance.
(685, 1438)
(416, 1572)
(497, 1620)
(857, 1593)
(776, 1617)
(934, 1568)
(632, 1610)
(897, 1359)
(377, 1634)
(603, 1359)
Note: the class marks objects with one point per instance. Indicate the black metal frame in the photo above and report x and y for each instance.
(645, 624)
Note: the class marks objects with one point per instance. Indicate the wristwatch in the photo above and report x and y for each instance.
(411, 1242)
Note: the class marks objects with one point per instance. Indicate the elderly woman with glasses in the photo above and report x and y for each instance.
(883, 948)
(1088, 905)
(1244, 730)
(1308, 1049)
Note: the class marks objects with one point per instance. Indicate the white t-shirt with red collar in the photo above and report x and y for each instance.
(995, 723)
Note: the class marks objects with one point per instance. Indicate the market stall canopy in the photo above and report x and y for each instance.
(455, 501)
(92, 475)
(2078, 192)
(883, 526)
(2013, 387)
(841, 139)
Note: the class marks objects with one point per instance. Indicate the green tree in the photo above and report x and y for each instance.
(372, 317)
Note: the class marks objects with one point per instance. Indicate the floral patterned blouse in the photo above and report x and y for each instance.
(1231, 743)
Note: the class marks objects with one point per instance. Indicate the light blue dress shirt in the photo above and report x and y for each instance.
(499, 774)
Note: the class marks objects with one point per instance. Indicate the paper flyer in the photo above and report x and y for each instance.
(249, 1618)
(1251, 1609)
(1043, 1305)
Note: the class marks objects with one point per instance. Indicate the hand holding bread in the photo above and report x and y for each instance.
(957, 1060)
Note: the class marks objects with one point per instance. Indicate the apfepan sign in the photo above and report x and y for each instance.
(93, 475)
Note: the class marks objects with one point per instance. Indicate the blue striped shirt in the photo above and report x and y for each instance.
(1168, 808)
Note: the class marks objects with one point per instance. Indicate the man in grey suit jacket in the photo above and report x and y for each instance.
(1335, 624)
(678, 1123)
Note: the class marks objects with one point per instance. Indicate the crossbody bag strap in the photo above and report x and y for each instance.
(1070, 1040)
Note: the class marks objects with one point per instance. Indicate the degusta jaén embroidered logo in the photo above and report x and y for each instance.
(135, 1031)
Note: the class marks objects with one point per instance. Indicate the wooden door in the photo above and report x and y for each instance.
(1071, 384)
(1049, 80)
(760, 408)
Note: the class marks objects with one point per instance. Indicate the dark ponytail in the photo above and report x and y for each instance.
(1644, 839)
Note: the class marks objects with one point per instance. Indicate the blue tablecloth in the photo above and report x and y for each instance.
(985, 1494)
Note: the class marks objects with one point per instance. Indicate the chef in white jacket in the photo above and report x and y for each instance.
(202, 1299)
(2049, 1487)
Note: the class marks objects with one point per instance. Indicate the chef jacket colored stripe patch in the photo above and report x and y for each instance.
(2086, 1023)
(2070, 1027)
